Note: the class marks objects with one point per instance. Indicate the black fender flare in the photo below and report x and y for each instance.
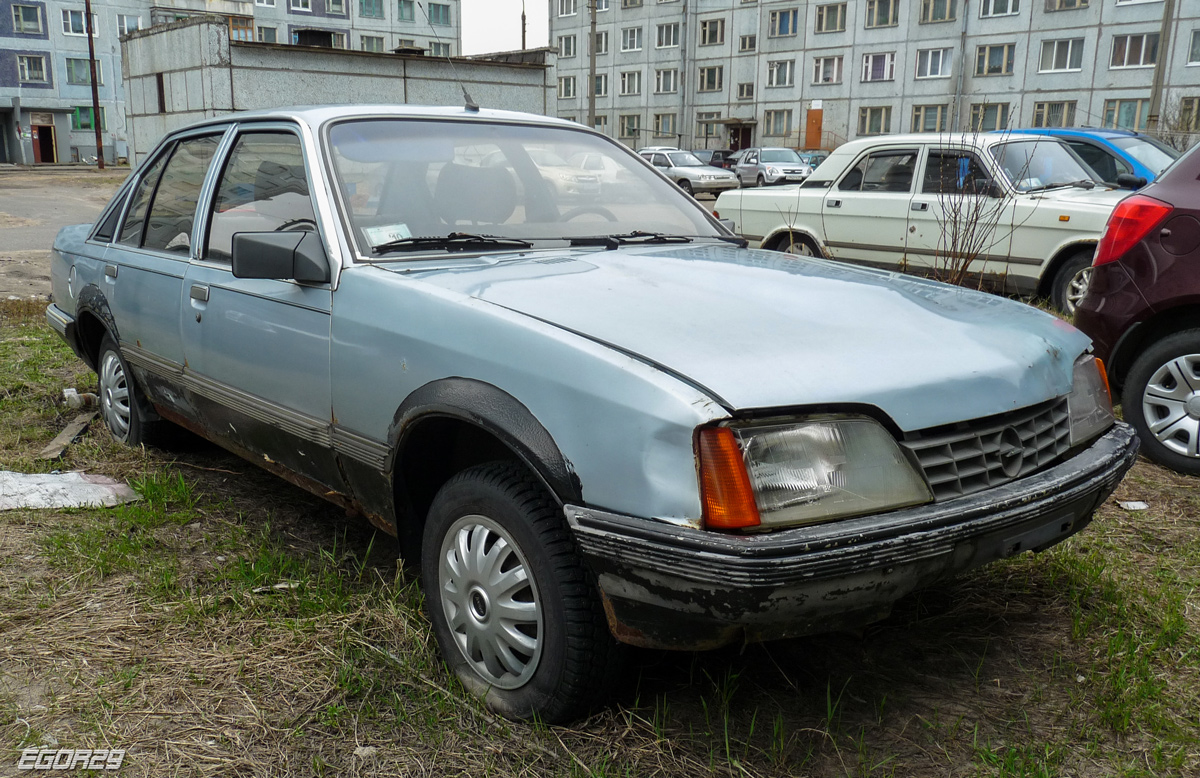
(497, 412)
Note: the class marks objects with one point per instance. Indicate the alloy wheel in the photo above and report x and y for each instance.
(1171, 405)
(1077, 287)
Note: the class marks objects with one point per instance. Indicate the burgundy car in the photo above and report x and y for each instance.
(1142, 311)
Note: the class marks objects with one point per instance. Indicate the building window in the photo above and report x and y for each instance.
(879, 67)
(628, 125)
(777, 123)
(1134, 51)
(79, 72)
(337, 40)
(1065, 5)
(938, 11)
(1194, 51)
(631, 39)
(929, 118)
(666, 81)
(566, 46)
(746, 90)
(300, 5)
(566, 87)
(265, 3)
(631, 82)
(1189, 114)
(831, 18)
(601, 42)
(73, 23)
(995, 60)
(710, 79)
(31, 69)
(338, 7)
(1126, 114)
(241, 28)
(827, 70)
(601, 85)
(933, 63)
(372, 43)
(1001, 7)
(439, 14)
(664, 125)
(437, 49)
(882, 13)
(566, 7)
(631, 3)
(712, 32)
(127, 24)
(748, 43)
(876, 120)
(988, 116)
(406, 43)
(268, 35)
(1054, 114)
(781, 73)
(601, 124)
(706, 124)
(602, 5)
(27, 20)
(81, 118)
(783, 23)
(668, 36)
(1061, 55)
(371, 9)
(406, 10)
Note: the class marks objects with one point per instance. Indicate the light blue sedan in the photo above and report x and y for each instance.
(589, 423)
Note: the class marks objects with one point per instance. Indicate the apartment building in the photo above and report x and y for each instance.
(812, 74)
(45, 83)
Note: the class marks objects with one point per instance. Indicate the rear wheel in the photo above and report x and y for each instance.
(1162, 401)
(1071, 282)
(124, 408)
(515, 612)
(795, 243)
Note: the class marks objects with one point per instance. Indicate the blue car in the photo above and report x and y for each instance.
(1113, 153)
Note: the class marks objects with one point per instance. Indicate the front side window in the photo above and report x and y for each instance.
(882, 13)
(666, 81)
(938, 11)
(831, 18)
(631, 39)
(439, 14)
(777, 123)
(891, 170)
(929, 118)
(668, 36)
(1061, 55)
(996, 60)
(783, 23)
(1033, 165)
(933, 63)
(710, 79)
(999, 7)
(263, 188)
(31, 69)
(875, 120)
(27, 19)
(173, 199)
(1134, 51)
(781, 73)
(989, 116)
(1054, 114)
(79, 71)
(712, 32)
(827, 70)
(879, 67)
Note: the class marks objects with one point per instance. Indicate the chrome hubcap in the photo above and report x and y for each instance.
(491, 602)
(1171, 405)
(1077, 288)
(799, 248)
(114, 396)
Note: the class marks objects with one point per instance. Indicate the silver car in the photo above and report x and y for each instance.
(585, 423)
(692, 175)
(771, 166)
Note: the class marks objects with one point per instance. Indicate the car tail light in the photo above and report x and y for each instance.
(716, 215)
(1132, 219)
(725, 491)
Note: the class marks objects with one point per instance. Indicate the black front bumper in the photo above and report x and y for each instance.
(668, 586)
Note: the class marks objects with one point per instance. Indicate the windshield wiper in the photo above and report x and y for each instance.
(610, 242)
(1083, 183)
(455, 241)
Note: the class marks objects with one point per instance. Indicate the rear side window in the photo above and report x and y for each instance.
(131, 233)
(883, 171)
(173, 211)
(262, 189)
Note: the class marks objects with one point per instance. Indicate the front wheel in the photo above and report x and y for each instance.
(1161, 400)
(515, 612)
(1071, 282)
(761, 181)
(686, 186)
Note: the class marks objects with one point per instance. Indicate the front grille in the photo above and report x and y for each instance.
(968, 457)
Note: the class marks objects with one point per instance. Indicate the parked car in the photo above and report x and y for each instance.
(813, 158)
(1121, 157)
(770, 166)
(567, 179)
(585, 423)
(1021, 209)
(714, 157)
(692, 175)
(1142, 311)
(645, 149)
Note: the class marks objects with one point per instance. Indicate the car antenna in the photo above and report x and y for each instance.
(469, 104)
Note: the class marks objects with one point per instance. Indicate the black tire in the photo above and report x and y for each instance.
(1146, 401)
(1070, 281)
(761, 181)
(686, 186)
(566, 655)
(796, 244)
(125, 409)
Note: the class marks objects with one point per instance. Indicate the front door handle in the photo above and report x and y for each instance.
(833, 203)
(110, 271)
(199, 292)
(920, 206)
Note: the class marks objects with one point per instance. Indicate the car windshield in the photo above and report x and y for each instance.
(684, 159)
(1038, 164)
(1150, 152)
(779, 155)
(404, 178)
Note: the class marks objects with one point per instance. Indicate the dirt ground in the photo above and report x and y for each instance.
(35, 203)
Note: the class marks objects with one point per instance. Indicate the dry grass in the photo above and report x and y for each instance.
(154, 628)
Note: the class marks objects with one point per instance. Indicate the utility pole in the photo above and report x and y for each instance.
(1160, 66)
(91, 36)
(522, 25)
(591, 85)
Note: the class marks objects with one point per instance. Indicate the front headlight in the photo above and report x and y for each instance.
(772, 171)
(1090, 402)
(803, 473)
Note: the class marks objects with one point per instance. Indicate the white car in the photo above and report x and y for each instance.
(1021, 211)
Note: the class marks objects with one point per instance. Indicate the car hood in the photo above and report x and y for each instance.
(758, 329)
(1100, 196)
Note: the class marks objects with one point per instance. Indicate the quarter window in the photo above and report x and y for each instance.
(173, 207)
(131, 232)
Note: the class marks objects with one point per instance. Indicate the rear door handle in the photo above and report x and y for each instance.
(833, 203)
(199, 292)
(920, 206)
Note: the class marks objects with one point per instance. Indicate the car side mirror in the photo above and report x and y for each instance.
(1130, 181)
(298, 256)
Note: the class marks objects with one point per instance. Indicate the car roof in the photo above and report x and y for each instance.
(316, 115)
(1091, 132)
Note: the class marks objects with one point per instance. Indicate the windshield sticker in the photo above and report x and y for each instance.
(386, 233)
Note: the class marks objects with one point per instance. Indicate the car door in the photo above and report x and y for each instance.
(257, 350)
(145, 268)
(865, 214)
(956, 224)
(747, 167)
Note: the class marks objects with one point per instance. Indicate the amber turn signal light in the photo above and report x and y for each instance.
(725, 491)
(1104, 378)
